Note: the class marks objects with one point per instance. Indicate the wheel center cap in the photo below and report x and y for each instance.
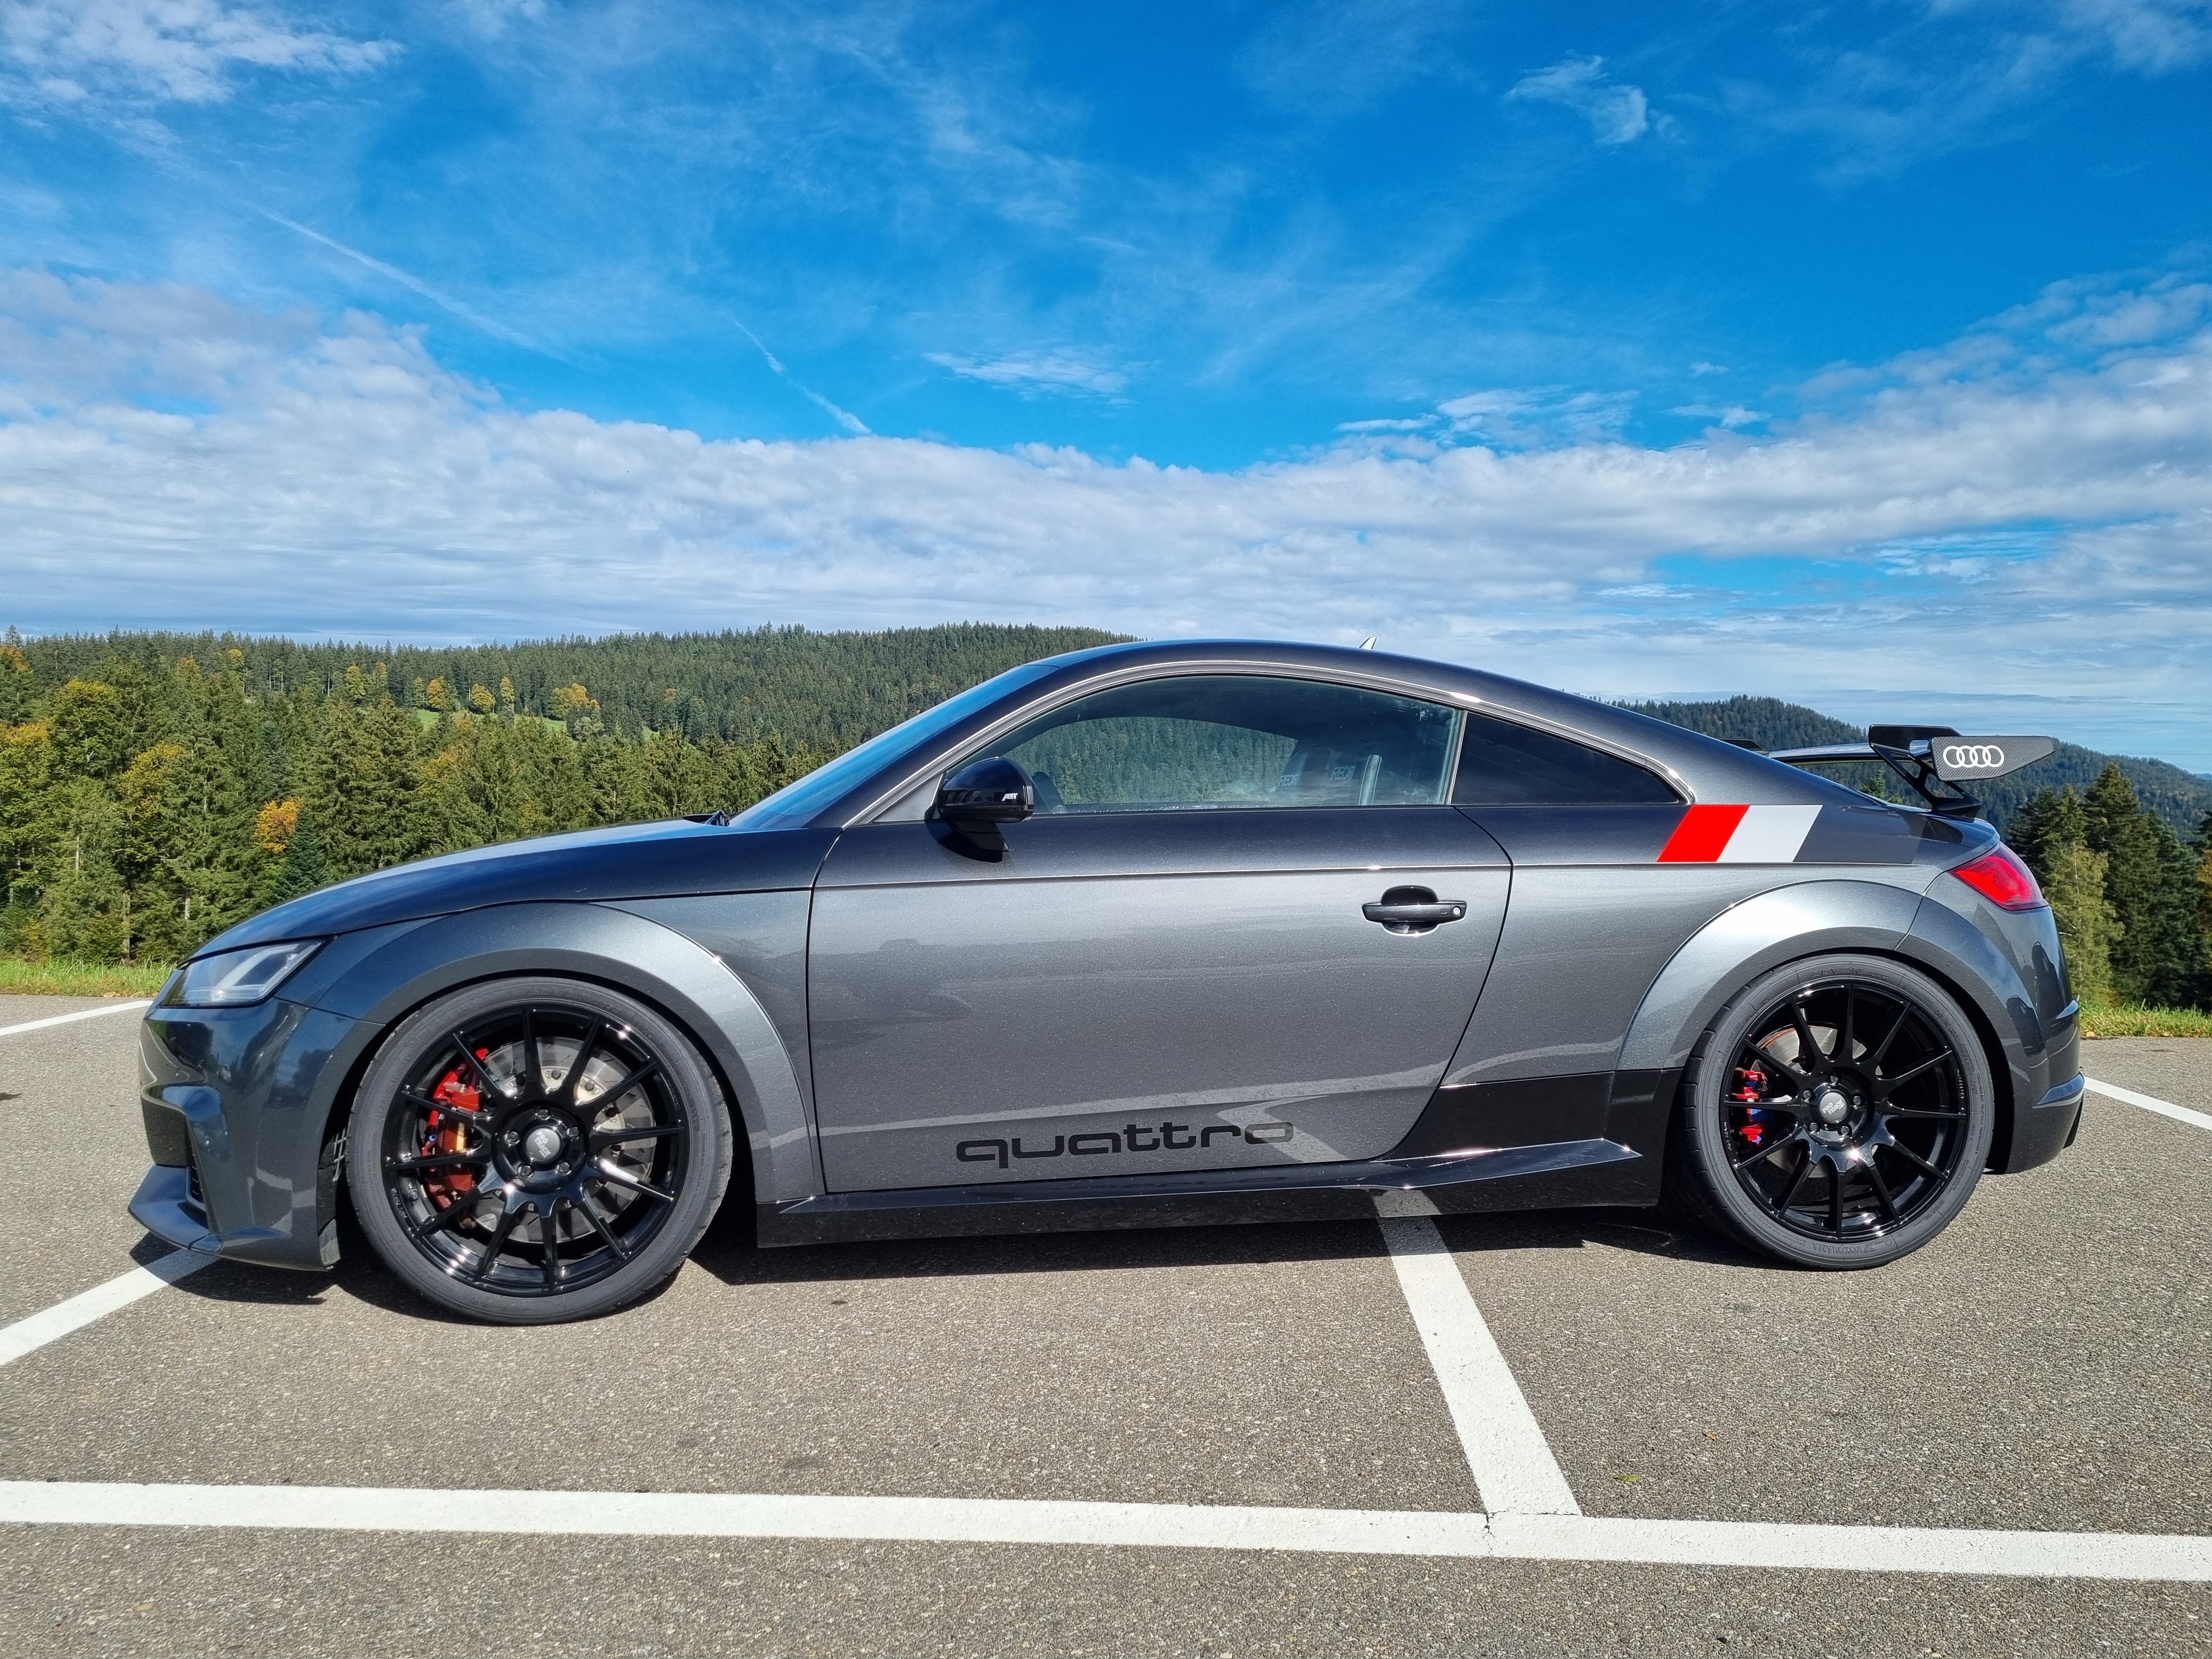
(542, 1145)
(1832, 1105)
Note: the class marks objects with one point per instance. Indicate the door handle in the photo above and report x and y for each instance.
(1413, 910)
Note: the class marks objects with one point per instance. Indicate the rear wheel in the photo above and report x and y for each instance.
(535, 1149)
(1837, 1113)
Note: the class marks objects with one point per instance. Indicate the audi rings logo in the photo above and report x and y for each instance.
(1972, 757)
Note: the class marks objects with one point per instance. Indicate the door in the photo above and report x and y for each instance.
(1172, 965)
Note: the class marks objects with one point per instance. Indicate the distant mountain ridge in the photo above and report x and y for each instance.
(2182, 799)
(831, 691)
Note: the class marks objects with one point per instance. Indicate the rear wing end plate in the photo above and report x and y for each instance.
(1936, 762)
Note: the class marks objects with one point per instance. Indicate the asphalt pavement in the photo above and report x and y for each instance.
(2045, 1365)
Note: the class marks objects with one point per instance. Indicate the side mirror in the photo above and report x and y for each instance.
(984, 795)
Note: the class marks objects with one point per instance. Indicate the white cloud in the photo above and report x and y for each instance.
(1049, 371)
(2007, 513)
(184, 51)
(1618, 113)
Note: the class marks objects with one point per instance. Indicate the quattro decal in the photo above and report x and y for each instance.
(1139, 1138)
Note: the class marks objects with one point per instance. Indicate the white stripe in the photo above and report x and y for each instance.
(1854, 1549)
(1155, 1526)
(82, 1013)
(2152, 1103)
(28, 1335)
(1513, 1466)
(1769, 835)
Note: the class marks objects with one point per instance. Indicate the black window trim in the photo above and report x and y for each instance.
(884, 807)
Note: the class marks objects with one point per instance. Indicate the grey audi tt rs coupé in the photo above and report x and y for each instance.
(1147, 935)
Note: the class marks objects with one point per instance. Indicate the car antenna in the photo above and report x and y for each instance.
(1367, 644)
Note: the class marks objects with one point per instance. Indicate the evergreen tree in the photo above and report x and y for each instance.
(2156, 957)
(2074, 881)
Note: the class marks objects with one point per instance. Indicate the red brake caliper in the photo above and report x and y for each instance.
(1750, 1086)
(447, 1131)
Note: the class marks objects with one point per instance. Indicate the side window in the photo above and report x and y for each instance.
(1212, 741)
(1502, 764)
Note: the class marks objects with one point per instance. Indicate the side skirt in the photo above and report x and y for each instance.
(1594, 1171)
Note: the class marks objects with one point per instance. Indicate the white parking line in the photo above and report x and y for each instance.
(82, 1013)
(1154, 1526)
(1513, 1464)
(52, 1324)
(2152, 1103)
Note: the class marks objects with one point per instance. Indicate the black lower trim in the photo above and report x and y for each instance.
(2041, 1132)
(1585, 1171)
(1629, 1108)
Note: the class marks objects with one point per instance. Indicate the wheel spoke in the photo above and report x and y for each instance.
(613, 1096)
(468, 1054)
(440, 1161)
(422, 1102)
(591, 1215)
(1887, 1110)
(1798, 1080)
(1781, 1206)
(548, 1229)
(1882, 1192)
(1741, 1164)
(1904, 1014)
(1836, 1200)
(1808, 1047)
(445, 1221)
(1911, 1157)
(1910, 1072)
(1844, 1039)
(533, 1069)
(496, 1243)
(583, 1053)
(607, 1172)
(603, 1138)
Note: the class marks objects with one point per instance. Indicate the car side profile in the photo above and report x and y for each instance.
(1152, 935)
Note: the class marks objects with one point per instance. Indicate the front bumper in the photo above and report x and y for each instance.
(236, 1104)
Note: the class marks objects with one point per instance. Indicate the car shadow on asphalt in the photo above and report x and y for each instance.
(729, 1253)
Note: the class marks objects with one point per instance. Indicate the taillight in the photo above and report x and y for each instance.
(1999, 876)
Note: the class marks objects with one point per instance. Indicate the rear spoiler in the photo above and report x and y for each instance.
(1932, 759)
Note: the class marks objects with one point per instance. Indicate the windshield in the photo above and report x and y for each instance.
(798, 802)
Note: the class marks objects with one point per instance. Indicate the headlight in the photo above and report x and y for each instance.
(235, 978)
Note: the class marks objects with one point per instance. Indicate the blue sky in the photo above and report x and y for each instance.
(1855, 353)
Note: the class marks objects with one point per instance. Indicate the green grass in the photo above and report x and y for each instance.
(2106, 1021)
(80, 979)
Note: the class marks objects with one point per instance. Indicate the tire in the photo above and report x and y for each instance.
(518, 1108)
(1856, 1157)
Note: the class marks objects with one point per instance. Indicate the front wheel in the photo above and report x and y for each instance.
(529, 1151)
(1836, 1114)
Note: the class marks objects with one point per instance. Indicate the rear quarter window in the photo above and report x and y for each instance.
(1502, 764)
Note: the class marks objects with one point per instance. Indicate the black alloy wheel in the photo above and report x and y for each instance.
(1839, 1112)
(530, 1151)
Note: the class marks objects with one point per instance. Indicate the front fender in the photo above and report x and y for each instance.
(403, 970)
(1780, 925)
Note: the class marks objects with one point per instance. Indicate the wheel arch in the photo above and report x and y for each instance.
(1811, 919)
(616, 949)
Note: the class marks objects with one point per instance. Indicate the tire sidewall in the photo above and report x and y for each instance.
(708, 1156)
(1704, 1134)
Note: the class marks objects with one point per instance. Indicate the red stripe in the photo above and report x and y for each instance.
(1701, 835)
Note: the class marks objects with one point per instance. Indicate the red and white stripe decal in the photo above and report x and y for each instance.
(1739, 834)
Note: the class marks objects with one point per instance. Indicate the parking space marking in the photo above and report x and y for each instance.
(1513, 1469)
(2152, 1103)
(1151, 1526)
(52, 1324)
(82, 1013)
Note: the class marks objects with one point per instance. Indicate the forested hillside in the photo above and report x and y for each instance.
(826, 690)
(155, 788)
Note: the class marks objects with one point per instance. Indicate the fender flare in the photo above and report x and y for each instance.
(402, 971)
(1777, 926)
